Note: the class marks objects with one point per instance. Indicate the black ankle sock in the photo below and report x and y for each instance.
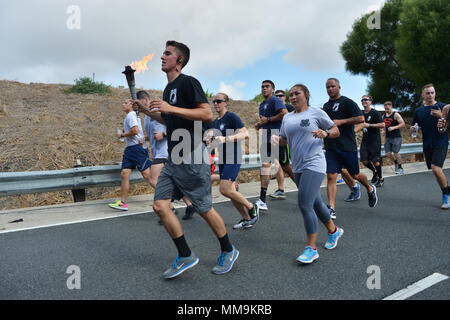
(262, 195)
(182, 247)
(225, 244)
(251, 212)
(446, 190)
(379, 172)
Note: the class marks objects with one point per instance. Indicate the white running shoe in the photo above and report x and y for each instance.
(261, 205)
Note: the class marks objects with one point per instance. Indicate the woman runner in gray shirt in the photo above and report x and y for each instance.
(303, 129)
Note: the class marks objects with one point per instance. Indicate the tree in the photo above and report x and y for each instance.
(371, 52)
(422, 44)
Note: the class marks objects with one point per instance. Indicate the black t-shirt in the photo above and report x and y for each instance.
(289, 107)
(390, 121)
(230, 121)
(342, 108)
(372, 135)
(184, 92)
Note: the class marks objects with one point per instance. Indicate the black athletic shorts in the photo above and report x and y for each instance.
(284, 155)
(435, 157)
(370, 152)
(159, 161)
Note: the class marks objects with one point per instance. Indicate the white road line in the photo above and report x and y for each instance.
(75, 222)
(417, 287)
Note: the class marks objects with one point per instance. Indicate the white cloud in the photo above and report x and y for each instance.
(234, 91)
(224, 35)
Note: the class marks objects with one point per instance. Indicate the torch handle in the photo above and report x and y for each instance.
(133, 93)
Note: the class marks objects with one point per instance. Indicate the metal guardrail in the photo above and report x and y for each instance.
(80, 178)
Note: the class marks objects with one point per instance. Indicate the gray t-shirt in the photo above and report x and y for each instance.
(158, 148)
(131, 121)
(306, 151)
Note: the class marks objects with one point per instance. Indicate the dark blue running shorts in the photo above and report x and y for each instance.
(136, 157)
(336, 160)
(229, 171)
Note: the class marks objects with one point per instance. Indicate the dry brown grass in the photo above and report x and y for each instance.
(46, 129)
(42, 128)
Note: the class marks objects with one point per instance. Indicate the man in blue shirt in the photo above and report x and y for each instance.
(271, 113)
(435, 143)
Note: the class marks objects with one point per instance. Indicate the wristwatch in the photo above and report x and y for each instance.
(328, 132)
(268, 119)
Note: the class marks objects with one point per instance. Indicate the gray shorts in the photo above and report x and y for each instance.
(190, 180)
(393, 145)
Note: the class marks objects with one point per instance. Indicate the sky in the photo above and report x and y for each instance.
(235, 44)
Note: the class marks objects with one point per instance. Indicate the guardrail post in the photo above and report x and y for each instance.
(79, 195)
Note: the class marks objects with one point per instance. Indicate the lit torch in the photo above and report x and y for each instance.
(136, 66)
(129, 74)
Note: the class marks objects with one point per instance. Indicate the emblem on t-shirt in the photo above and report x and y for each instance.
(173, 96)
(369, 118)
(304, 123)
(336, 107)
(222, 126)
(264, 106)
(388, 122)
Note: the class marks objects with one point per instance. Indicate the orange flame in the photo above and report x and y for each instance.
(141, 66)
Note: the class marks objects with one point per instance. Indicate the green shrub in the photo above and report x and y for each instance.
(209, 94)
(86, 85)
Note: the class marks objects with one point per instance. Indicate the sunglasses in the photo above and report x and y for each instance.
(365, 99)
(279, 95)
(218, 101)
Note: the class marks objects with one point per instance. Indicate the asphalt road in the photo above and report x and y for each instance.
(405, 236)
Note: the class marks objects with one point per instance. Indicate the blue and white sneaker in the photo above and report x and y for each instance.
(226, 261)
(180, 265)
(445, 201)
(333, 239)
(308, 255)
(355, 194)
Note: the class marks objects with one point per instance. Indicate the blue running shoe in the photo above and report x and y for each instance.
(226, 261)
(355, 194)
(308, 255)
(445, 201)
(180, 265)
(333, 239)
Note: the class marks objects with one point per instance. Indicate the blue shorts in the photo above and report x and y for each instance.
(229, 171)
(336, 160)
(136, 157)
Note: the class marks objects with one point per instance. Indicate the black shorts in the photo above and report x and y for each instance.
(370, 152)
(159, 161)
(337, 159)
(435, 157)
(285, 156)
